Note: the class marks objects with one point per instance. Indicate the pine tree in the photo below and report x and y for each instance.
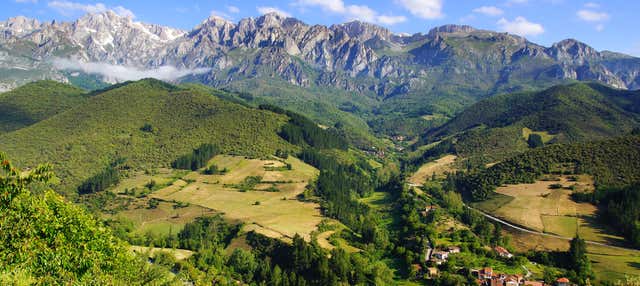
(578, 260)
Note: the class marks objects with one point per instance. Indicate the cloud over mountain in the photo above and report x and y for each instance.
(124, 73)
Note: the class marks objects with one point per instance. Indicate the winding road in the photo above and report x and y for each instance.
(519, 228)
(506, 223)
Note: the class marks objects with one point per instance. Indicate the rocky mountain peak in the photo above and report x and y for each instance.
(215, 21)
(449, 29)
(355, 56)
(574, 50)
(271, 19)
(20, 25)
(363, 31)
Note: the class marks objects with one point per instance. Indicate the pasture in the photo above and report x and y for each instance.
(610, 263)
(269, 207)
(179, 254)
(426, 171)
(546, 137)
(547, 206)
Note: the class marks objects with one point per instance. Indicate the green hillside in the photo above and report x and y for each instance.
(148, 124)
(36, 101)
(613, 163)
(497, 128)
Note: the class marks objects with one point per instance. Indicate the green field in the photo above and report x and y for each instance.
(179, 254)
(276, 214)
(546, 137)
(437, 167)
(608, 263)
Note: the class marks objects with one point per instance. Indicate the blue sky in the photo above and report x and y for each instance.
(605, 25)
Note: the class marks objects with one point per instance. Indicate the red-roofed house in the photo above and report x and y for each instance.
(503, 252)
(563, 282)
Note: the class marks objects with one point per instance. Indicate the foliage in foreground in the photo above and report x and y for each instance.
(46, 240)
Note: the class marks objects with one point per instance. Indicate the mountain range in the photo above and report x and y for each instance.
(442, 71)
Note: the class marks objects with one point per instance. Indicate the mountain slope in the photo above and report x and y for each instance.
(497, 127)
(439, 72)
(36, 101)
(581, 110)
(109, 126)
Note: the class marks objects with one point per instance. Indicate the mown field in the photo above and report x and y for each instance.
(179, 254)
(540, 206)
(269, 206)
(608, 263)
(426, 171)
(547, 206)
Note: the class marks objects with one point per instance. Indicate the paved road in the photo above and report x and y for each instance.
(506, 223)
(503, 222)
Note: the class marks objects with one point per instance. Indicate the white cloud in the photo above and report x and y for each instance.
(233, 9)
(124, 73)
(67, 8)
(489, 10)
(220, 14)
(352, 12)
(592, 5)
(26, 1)
(520, 26)
(425, 9)
(122, 11)
(600, 27)
(267, 10)
(592, 16)
(391, 20)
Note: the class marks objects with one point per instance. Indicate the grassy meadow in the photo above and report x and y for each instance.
(269, 207)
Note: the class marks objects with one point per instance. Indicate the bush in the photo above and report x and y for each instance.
(214, 170)
(535, 141)
(153, 203)
(147, 128)
(555, 186)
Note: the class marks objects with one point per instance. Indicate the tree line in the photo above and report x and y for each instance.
(197, 159)
(612, 163)
(301, 131)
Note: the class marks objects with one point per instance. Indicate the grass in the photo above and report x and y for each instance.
(494, 202)
(609, 264)
(560, 225)
(546, 137)
(160, 221)
(533, 201)
(435, 116)
(279, 214)
(179, 254)
(426, 171)
(536, 206)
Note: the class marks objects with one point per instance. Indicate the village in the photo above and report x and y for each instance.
(435, 257)
(485, 276)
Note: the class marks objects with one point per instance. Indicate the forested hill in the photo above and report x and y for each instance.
(36, 101)
(573, 112)
(145, 123)
(613, 163)
(498, 127)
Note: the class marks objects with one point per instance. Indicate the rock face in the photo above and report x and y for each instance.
(354, 56)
